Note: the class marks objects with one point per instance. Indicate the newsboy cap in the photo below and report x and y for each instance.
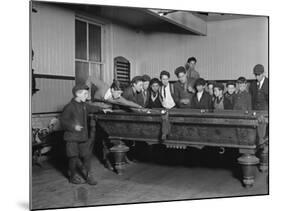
(258, 69)
(78, 87)
(241, 80)
(219, 85)
(136, 79)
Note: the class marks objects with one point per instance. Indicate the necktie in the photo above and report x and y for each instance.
(164, 91)
(258, 84)
(145, 96)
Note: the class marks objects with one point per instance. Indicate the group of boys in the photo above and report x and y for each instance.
(193, 92)
(190, 91)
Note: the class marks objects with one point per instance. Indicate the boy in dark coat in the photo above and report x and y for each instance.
(201, 100)
(78, 146)
(229, 94)
(210, 89)
(134, 91)
(242, 100)
(259, 89)
(154, 100)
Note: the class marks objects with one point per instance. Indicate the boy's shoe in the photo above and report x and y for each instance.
(84, 172)
(76, 179)
(91, 180)
(89, 177)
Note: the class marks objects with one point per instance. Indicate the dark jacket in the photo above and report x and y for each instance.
(230, 99)
(204, 103)
(226, 103)
(146, 98)
(76, 113)
(181, 92)
(242, 101)
(156, 103)
(260, 97)
(131, 95)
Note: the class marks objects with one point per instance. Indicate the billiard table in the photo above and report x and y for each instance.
(182, 128)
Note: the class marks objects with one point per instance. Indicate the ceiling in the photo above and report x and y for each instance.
(150, 20)
(208, 16)
(135, 18)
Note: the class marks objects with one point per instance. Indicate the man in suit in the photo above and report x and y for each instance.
(202, 99)
(259, 89)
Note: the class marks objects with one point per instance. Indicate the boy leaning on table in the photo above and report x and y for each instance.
(78, 144)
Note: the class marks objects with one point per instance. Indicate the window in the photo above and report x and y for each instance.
(88, 50)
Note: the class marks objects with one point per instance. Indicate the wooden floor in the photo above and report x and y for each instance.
(206, 174)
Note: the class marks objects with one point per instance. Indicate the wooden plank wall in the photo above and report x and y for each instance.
(52, 39)
(52, 96)
(230, 49)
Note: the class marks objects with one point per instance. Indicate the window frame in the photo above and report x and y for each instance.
(102, 61)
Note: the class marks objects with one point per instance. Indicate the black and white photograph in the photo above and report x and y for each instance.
(134, 105)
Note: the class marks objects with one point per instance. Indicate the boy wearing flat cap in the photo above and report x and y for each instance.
(259, 89)
(78, 144)
(220, 102)
(242, 100)
(201, 100)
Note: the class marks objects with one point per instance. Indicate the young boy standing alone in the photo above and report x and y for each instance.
(78, 144)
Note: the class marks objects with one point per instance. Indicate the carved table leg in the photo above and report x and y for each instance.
(248, 162)
(119, 152)
(105, 154)
(264, 158)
